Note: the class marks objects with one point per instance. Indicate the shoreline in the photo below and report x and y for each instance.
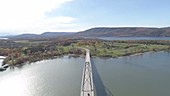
(75, 56)
(136, 54)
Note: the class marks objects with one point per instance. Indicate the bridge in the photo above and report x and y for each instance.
(87, 88)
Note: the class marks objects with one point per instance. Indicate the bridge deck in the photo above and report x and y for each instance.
(87, 88)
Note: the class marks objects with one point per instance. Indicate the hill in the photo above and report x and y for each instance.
(40, 36)
(125, 32)
(24, 36)
(102, 32)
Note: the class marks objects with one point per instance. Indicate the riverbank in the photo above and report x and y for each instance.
(33, 51)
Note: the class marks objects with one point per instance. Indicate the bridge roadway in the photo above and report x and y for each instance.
(87, 88)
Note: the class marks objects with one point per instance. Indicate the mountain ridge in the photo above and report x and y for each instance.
(44, 35)
(103, 32)
(126, 32)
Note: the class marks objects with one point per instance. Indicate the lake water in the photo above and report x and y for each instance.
(134, 38)
(143, 75)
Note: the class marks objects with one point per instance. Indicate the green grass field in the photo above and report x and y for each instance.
(109, 49)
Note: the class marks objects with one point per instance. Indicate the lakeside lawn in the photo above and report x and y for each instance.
(114, 49)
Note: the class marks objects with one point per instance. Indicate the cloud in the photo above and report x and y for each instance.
(30, 15)
(61, 23)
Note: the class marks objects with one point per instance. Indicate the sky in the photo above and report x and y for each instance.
(38, 16)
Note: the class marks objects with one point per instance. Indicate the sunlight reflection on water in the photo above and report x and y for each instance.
(16, 84)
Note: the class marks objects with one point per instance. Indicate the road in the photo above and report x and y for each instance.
(87, 88)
